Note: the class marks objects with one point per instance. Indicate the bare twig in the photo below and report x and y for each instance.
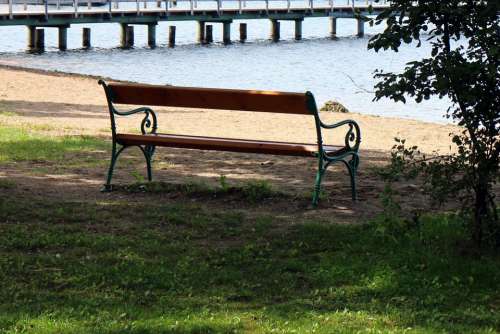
(357, 85)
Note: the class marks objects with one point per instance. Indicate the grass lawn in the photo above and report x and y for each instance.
(30, 144)
(129, 265)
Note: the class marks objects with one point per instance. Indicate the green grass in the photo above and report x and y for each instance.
(7, 113)
(7, 184)
(257, 190)
(114, 267)
(143, 264)
(18, 144)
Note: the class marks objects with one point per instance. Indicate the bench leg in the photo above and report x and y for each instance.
(114, 156)
(148, 152)
(353, 167)
(317, 185)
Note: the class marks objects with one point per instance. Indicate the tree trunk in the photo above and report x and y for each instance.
(480, 214)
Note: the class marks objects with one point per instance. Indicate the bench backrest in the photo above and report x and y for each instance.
(212, 98)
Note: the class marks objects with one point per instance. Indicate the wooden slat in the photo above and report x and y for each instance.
(210, 98)
(223, 144)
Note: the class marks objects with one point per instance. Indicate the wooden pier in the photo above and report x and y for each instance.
(61, 14)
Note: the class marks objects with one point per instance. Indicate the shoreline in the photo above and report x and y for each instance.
(57, 73)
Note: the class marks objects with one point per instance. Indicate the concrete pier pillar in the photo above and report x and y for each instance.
(201, 32)
(209, 34)
(298, 29)
(123, 35)
(361, 28)
(333, 27)
(171, 36)
(31, 37)
(126, 36)
(129, 41)
(226, 32)
(275, 30)
(243, 32)
(62, 33)
(39, 40)
(86, 40)
(152, 35)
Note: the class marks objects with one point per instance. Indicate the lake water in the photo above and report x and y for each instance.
(340, 70)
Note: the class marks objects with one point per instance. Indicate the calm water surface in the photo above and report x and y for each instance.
(340, 70)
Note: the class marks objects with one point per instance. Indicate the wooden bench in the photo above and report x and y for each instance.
(226, 99)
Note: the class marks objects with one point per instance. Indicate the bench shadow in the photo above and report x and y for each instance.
(80, 176)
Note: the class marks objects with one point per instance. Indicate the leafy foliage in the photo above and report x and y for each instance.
(463, 66)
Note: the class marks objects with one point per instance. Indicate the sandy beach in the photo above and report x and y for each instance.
(73, 100)
(64, 104)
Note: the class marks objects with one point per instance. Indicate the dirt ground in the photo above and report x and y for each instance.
(74, 105)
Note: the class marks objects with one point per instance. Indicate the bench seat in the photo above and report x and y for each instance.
(225, 144)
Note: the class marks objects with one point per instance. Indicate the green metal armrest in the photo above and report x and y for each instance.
(353, 135)
(149, 123)
(348, 155)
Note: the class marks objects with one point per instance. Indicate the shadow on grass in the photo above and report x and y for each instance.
(124, 267)
(253, 191)
(76, 166)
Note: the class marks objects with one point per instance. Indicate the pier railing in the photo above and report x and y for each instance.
(23, 7)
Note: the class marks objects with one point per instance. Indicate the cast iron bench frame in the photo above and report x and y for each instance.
(226, 99)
